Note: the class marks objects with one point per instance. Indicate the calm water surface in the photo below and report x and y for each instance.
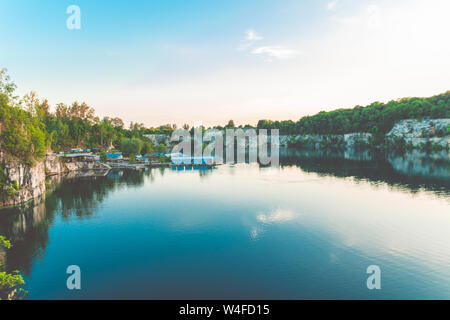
(308, 229)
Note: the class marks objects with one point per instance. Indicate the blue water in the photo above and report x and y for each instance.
(305, 230)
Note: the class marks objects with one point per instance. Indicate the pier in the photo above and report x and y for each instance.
(191, 166)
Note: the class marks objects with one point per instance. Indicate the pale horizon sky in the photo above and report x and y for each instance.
(158, 62)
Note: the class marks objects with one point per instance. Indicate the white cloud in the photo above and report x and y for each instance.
(276, 52)
(279, 215)
(269, 52)
(251, 35)
(332, 5)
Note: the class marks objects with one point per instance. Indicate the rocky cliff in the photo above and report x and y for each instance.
(22, 183)
(414, 132)
(317, 141)
(419, 132)
(53, 166)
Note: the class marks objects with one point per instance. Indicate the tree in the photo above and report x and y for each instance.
(23, 135)
(230, 124)
(7, 87)
(131, 146)
(147, 147)
(161, 148)
(117, 123)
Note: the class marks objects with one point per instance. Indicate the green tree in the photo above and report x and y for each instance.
(131, 146)
(147, 147)
(161, 148)
(7, 87)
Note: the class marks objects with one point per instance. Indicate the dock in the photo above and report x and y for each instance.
(190, 166)
(123, 165)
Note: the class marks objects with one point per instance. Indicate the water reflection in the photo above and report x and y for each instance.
(413, 171)
(27, 227)
(168, 203)
(80, 194)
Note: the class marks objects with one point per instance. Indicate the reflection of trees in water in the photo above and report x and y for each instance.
(27, 226)
(418, 163)
(369, 167)
(78, 197)
(81, 196)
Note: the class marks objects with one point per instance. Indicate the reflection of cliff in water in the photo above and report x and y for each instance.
(27, 226)
(411, 171)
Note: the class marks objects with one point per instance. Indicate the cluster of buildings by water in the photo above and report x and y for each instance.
(117, 159)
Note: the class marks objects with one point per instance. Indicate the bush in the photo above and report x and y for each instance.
(10, 283)
(5, 243)
(103, 156)
(163, 159)
(10, 191)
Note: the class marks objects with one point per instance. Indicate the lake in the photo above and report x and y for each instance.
(307, 229)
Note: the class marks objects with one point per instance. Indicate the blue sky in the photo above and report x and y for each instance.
(181, 62)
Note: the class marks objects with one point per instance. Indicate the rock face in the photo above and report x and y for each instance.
(415, 132)
(418, 132)
(30, 182)
(53, 166)
(316, 141)
(83, 166)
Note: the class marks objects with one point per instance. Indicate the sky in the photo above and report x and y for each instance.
(200, 61)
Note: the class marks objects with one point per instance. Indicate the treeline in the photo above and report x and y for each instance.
(28, 128)
(375, 118)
